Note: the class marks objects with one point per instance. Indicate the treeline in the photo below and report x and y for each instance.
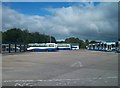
(82, 43)
(16, 35)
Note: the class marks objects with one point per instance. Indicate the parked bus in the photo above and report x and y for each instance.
(105, 46)
(63, 46)
(110, 46)
(37, 47)
(75, 46)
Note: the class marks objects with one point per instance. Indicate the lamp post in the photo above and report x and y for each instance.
(50, 38)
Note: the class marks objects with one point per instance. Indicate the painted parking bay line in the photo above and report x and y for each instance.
(77, 64)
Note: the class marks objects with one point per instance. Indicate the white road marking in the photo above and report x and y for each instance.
(77, 64)
(56, 81)
(49, 80)
(115, 77)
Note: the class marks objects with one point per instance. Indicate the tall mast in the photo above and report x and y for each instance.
(50, 38)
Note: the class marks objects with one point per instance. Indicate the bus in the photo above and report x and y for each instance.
(63, 46)
(105, 46)
(110, 46)
(75, 46)
(37, 47)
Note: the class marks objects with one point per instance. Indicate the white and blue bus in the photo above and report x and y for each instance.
(64, 46)
(105, 46)
(75, 46)
(37, 47)
(111, 46)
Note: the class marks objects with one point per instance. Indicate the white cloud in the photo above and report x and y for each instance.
(86, 22)
(60, 0)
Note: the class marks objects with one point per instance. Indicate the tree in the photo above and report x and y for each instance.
(72, 40)
(12, 35)
(86, 42)
(75, 40)
(93, 41)
(16, 35)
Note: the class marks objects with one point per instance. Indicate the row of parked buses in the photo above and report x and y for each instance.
(37, 47)
(51, 47)
(105, 46)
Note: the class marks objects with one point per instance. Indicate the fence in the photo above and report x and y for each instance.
(13, 48)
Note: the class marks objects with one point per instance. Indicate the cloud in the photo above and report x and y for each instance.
(60, 1)
(84, 21)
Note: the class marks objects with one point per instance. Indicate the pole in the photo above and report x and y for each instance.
(50, 38)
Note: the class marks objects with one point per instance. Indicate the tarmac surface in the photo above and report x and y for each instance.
(62, 68)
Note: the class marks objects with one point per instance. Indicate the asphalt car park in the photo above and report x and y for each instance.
(61, 68)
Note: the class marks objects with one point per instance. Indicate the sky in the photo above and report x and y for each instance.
(93, 21)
